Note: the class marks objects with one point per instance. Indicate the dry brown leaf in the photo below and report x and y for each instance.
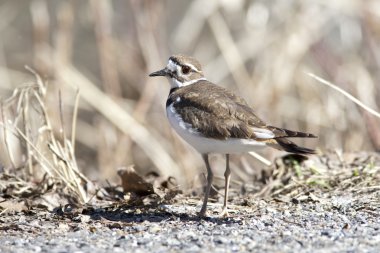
(133, 182)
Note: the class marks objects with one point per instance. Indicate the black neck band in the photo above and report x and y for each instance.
(170, 99)
(173, 90)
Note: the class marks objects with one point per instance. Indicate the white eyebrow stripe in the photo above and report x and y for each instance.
(193, 67)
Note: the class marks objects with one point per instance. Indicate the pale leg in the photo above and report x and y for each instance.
(227, 177)
(210, 176)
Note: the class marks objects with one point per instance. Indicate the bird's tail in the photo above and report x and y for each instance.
(291, 147)
(281, 132)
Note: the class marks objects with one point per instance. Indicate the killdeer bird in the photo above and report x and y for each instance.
(214, 120)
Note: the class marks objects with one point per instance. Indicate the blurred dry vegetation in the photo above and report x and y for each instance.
(106, 49)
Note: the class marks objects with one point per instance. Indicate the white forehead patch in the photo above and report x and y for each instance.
(172, 66)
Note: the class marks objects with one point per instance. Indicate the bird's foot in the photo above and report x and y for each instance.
(224, 212)
(202, 213)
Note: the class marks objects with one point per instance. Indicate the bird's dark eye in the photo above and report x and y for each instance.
(186, 70)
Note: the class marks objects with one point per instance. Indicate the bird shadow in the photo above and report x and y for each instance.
(154, 215)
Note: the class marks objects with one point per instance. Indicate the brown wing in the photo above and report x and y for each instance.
(218, 113)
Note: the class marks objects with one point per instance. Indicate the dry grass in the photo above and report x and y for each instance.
(104, 49)
(25, 116)
(350, 175)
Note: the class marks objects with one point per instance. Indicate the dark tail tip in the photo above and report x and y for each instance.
(296, 134)
(281, 132)
(291, 147)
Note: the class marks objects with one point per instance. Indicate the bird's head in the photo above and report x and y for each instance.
(181, 71)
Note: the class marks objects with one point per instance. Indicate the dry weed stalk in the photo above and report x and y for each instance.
(346, 94)
(43, 149)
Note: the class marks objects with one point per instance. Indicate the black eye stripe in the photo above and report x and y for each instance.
(171, 74)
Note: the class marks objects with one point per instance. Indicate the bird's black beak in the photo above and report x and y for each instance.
(162, 72)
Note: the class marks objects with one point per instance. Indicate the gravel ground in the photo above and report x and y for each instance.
(329, 225)
(320, 205)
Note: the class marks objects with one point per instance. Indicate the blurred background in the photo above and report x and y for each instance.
(259, 49)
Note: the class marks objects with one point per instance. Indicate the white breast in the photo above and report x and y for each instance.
(208, 145)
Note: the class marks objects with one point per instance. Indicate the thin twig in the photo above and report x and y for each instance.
(62, 130)
(42, 87)
(74, 120)
(26, 121)
(345, 93)
(260, 158)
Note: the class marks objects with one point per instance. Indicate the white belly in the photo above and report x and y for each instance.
(207, 145)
